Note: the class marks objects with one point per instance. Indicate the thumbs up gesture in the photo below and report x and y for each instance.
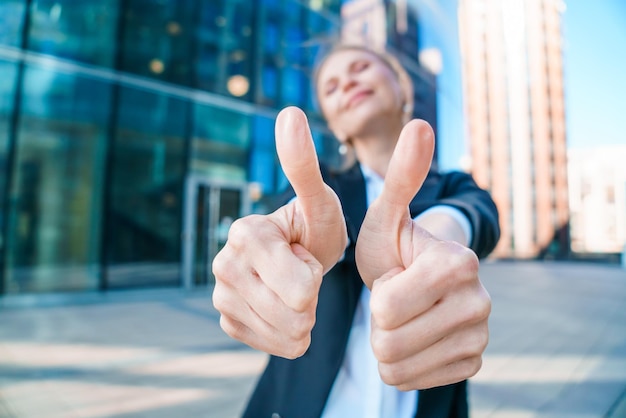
(269, 272)
(429, 309)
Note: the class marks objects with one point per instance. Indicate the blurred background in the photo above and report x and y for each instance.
(132, 132)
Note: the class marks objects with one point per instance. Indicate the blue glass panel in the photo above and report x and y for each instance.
(82, 31)
(159, 39)
(263, 154)
(7, 103)
(11, 21)
(271, 40)
(293, 92)
(220, 143)
(270, 82)
(54, 235)
(225, 48)
(147, 174)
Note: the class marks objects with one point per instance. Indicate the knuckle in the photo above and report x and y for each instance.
(301, 326)
(482, 340)
(232, 328)
(466, 265)
(238, 230)
(469, 261)
(219, 265)
(482, 346)
(406, 387)
(471, 366)
(300, 299)
(222, 266)
(382, 308)
(462, 263)
(297, 348)
(477, 309)
(242, 229)
(219, 298)
(317, 272)
(302, 296)
(383, 346)
(475, 342)
(391, 374)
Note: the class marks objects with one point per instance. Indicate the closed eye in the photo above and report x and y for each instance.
(359, 66)
(330, 87)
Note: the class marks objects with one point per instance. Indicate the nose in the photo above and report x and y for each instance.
(348, 83)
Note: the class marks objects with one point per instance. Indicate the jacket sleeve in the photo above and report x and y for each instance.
(461, 192)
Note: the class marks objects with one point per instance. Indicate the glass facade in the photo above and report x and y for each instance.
(108, 107)
(54, 210)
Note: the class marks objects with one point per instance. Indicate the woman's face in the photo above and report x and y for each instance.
(356, 88)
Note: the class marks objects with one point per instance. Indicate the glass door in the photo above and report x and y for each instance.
(211, 207)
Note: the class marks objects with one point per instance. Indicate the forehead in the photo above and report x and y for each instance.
(340, 60)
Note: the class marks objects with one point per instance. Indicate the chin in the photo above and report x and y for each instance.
(363, 118)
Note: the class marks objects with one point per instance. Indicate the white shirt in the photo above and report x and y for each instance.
(358, 390)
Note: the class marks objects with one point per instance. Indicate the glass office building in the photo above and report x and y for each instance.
(132, 132)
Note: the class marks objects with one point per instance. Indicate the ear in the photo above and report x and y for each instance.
(407, 113)
(407, 109)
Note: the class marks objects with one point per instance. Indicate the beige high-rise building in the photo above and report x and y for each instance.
(513, 78)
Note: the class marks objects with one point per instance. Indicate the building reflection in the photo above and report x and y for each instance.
(130, 129)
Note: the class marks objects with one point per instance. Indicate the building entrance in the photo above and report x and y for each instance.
(210, 208)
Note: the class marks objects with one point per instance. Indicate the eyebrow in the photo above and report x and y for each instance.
(350, 67)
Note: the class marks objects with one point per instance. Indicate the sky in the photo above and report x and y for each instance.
(595, 72)
(594, 59)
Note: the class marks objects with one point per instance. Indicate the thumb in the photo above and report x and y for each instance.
(297, 155)
(409, 165)
(382, 242)
(319, 223)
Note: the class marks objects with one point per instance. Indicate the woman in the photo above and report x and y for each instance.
(363, 288)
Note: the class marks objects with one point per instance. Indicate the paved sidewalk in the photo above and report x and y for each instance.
(557, 349)
(558, 342)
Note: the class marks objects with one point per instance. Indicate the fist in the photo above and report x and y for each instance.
(268, 275)
(429, 309)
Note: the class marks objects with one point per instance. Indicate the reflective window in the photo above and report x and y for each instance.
(7, 96)
(144, 221)
(54, 234)
(263, 155)
(294, 87)
(158, 39)
(11, 21)
(287, 51)
(225, 53)
(271, 38)
(294, 49)
(82, 31)
(98, 171)
(220, 141)
(269, 83)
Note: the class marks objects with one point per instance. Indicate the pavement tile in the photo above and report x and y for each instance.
(557, 349)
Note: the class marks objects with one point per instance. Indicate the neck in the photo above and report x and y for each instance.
(375, 148)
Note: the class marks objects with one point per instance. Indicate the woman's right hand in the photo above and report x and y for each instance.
(268, 275)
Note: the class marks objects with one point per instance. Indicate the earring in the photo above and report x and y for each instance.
(343, 149)
(406, 108)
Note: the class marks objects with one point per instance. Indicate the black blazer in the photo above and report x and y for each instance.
(299, 388)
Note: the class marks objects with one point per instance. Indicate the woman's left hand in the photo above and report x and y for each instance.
(429, 309)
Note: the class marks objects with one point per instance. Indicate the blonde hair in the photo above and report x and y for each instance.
(387, 58)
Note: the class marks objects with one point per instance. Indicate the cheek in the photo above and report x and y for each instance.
(328, 104)
(328, 109)
(390, 88)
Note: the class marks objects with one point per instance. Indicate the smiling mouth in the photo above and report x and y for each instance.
(357, 98)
